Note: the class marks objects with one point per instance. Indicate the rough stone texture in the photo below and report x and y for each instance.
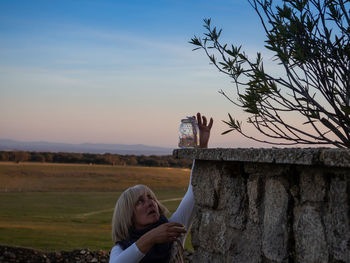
(335, 157)
(195, 227)
(209, 185)
(246, 245)
(310, 242)
(27, 255)
(275, 232)
(312, 185)
(271, 205)
(304, 156)
(337, 219)
(10, 254)
(213, 227)
(261, 170)
(204, 256)
(233, 187)
(254, 204)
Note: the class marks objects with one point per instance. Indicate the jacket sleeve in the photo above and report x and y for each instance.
(130, 255)
(184, 213)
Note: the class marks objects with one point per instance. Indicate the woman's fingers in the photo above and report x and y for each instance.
(175, 230)
(172, 224)
(210, 123)
(199, 119)
(168, 232)
(204, 121)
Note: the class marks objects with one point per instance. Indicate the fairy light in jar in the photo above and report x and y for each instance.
(188, 133)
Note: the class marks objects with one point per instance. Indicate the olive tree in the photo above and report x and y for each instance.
(310, 42)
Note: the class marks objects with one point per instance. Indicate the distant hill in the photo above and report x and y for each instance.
(97, 148)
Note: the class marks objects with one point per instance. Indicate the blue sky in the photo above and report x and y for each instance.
(115, 71)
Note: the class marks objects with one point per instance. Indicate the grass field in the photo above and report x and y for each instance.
(63, 207)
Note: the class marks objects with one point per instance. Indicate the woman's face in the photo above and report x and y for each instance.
(146, 211)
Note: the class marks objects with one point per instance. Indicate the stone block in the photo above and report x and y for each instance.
(206, 182)
(312, 185)
(195, 227)
(233, 199)
(337, 221)
(213, 234)
(304, 156)
(335, 157)
(246, 245)
(203, 256)
(275, 228)
(310, 241)
(266, 170)
(253, 199)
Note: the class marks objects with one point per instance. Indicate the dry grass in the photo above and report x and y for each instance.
(39, 177)
(66, 206)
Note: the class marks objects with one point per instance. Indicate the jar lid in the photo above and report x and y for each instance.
(191, 119)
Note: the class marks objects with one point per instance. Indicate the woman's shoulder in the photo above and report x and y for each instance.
(116, 249)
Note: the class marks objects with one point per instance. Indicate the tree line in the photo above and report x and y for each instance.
(88, 158)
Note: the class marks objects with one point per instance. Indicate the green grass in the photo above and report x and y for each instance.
(65, 207)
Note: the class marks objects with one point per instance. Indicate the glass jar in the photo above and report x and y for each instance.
(188, 133)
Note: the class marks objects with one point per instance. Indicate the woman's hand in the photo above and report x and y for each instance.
(167, 232)
(204, 130)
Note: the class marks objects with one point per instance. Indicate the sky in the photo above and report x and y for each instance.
(111, 71)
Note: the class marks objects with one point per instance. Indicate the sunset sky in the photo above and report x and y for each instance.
(116, 71)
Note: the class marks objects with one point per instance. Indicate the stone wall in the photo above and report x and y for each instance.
(15, 254)
(271, 205)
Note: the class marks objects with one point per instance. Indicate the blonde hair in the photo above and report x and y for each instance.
(122, 219)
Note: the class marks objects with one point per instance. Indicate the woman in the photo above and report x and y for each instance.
(140, 229)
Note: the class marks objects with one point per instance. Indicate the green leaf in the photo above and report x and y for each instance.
(231, 119)
(307, 122)
(232, 123)
(195, 41)
(345, 109)
(225, 132)
(314, 114)
(207, 21)
(302, 99)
